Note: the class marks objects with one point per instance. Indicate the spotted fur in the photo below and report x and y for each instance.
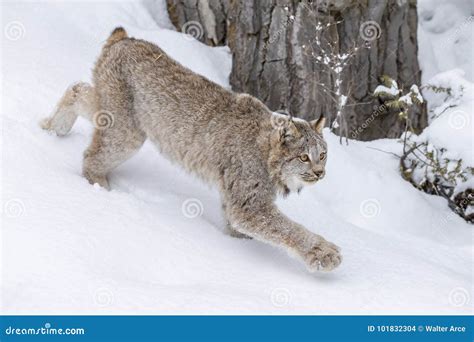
(231, 140)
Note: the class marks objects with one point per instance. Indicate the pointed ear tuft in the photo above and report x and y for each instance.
(318, 124)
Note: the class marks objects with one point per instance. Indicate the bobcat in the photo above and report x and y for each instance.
(229, 139)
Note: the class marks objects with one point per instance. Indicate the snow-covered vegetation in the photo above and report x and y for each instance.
(439, 161)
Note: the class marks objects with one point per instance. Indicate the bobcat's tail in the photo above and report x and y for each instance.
(117, 35)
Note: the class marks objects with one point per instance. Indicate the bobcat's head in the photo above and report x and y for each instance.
(298, 152)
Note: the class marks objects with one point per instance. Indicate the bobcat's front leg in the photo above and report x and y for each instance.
(269, 225)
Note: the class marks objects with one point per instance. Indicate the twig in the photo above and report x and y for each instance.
(380, 150)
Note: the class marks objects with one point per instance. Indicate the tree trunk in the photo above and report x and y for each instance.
(276, 44)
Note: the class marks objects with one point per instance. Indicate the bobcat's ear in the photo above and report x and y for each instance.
(285, 126)
(318, 124)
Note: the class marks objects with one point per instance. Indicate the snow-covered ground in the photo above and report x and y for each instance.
(154, 244)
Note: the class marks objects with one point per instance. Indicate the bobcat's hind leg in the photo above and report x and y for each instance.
(79, 99)
(109, 148)
(234, 233)
(229, 230)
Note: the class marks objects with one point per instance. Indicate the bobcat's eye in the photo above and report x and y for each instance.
(322, 156)
(304, 158)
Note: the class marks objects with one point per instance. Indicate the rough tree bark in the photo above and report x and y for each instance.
(274, 49)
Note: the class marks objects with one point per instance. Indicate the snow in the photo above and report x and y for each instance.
(154, 244)
(412, 95)
(445, 36)
(393, 90)
(406, 99)
(451, 123)
(446, 42)
(416, 93)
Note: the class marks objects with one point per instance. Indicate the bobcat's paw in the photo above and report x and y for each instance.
(95, 179)
(323, 255)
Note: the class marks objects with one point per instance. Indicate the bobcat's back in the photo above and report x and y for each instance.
(193, 120)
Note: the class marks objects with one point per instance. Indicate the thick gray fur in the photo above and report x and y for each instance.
(231, 140)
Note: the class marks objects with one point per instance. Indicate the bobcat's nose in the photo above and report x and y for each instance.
(319, 173)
